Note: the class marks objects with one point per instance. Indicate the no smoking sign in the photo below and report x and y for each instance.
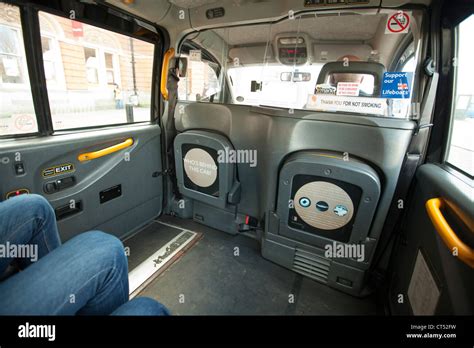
(398, 23)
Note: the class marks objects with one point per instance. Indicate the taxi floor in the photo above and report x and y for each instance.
(210, 280)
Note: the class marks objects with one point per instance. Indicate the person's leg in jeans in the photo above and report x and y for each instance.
(142, 306)
(87, 275)
(27, 220)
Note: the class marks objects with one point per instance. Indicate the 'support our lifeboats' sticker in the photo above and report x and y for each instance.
(398, 23)
(372, 106)
(58, 169)
(397, 85)
(200, 167)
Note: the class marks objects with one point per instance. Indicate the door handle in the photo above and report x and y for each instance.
(164, 73)
(104, 152)
(449, 237)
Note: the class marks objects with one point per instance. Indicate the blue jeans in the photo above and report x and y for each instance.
(88, 275)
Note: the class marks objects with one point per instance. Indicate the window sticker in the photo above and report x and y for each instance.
(349, 89)
(18, 124)
(325, 89)
(58, 169)
(400, 108)
(398, 23)
(397, 85)
(322, 102)
(195, 55)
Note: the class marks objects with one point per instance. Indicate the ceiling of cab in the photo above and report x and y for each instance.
(329, 28)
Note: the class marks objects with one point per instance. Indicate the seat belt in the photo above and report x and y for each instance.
(414, 157)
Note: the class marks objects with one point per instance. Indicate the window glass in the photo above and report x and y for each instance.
(282, 64)
(410, 65)
(11, 55)
(49, 58)
(17, 115)
(201, 82)
(92, 65)
(461, 148)
(274, 91)
(109, 68)
(95, 76)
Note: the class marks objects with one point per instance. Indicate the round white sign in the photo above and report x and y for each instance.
(200, 167)
(323, 205)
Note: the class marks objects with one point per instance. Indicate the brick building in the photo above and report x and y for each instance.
(83, 66)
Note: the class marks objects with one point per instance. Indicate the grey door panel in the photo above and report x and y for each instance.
(451, 293)
(132, 173)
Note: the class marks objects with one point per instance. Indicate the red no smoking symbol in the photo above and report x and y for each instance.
(398, 22)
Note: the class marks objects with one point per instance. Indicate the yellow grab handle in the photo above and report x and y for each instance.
(164, 72)
(104, 152)
(465, 253)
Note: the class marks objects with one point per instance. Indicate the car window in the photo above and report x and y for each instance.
(200, 83)
(94, 76)
(280, 64)
(461, 147)
(17, 114)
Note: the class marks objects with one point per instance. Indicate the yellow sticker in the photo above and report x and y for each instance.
(58, 169)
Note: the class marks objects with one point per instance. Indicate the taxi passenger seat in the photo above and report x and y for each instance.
(207, 182)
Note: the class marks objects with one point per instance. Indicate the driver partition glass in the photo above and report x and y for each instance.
(331, 61)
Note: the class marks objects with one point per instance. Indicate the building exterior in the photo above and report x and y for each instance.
(88, 69)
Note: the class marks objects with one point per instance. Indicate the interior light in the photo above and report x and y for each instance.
(291, 40)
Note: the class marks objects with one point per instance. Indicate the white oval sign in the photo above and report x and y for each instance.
(323, 205)
(200, 167)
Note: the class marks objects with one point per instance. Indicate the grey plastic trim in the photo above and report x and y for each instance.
(353, 171)
(372, 121)
(226, 170)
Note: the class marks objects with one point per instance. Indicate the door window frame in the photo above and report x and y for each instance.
(447, 145)
(34, 64)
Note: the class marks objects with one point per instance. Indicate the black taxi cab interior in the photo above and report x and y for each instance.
(307, 157)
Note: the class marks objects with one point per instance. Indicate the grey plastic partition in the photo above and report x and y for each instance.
(333, 173)
(326, 202)
(207, 179)
(275, 134)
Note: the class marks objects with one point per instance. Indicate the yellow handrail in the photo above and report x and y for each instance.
(104, 152)
(449, 237)
(164, 72)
